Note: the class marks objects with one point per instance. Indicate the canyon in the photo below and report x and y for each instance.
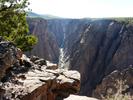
(24, 78)
(94, 47)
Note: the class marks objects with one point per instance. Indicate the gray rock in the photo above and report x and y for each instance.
(76, 97)
(9, 55)
(116, 82)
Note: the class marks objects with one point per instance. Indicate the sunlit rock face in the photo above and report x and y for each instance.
(34, 78)
(38, 83)
(76, 97)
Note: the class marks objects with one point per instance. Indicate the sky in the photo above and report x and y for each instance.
(83, 8)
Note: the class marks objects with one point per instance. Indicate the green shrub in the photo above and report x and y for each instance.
(13, 24)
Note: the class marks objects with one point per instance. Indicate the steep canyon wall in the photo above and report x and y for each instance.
(93, 47)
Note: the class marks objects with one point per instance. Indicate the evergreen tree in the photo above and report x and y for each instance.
(13, 24)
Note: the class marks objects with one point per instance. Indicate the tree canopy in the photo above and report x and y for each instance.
(13, 24)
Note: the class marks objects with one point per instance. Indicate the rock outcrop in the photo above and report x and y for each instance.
(30, 78)
(40, 84)
(9, 55)
(116, 83)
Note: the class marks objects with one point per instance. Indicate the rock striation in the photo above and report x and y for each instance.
(101, 47)
(58, 28)
(94, 47)
(30, 78)
(47, 46)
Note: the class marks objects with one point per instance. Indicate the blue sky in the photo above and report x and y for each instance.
(83, 8)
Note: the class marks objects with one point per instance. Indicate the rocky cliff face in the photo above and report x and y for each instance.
(8, 56)
(94, 47)
(57, 27)
(47, 46)
(24, 78)
(115, 84)
(103, 46)
(74, 31)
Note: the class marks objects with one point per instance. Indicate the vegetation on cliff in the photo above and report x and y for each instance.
(13, 25)
(126, 20)
(119, 95)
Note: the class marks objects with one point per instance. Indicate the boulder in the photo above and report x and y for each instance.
(40, 62)
(52, 66)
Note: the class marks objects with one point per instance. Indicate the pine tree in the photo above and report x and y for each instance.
(13, 24)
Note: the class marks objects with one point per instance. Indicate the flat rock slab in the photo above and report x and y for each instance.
(38, 83)
(76, 97)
